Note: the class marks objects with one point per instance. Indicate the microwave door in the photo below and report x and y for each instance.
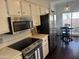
(21, 25)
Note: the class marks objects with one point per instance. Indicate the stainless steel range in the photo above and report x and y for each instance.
(31, 48)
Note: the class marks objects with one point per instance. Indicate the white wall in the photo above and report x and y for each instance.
(52, 6)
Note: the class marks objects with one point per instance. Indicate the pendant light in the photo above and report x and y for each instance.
(67, 7)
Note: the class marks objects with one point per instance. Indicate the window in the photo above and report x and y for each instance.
(73, 18)
(66, 18)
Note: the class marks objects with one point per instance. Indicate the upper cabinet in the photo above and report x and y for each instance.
(38, 15)
(44, 10)
(18, 8)
(3, 9)
(25, 8)
(44, 3)
(35, 13)
(3, 25)
(3, 18)
(14, 7)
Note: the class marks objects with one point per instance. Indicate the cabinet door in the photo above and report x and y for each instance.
(14, 7)
(35, 14)
(47, 10)
(45, 50)
(45, 46)
(38, 16)
(3, 9)
(3, 25)
(43, 10)
(25, 8)
(3, 18)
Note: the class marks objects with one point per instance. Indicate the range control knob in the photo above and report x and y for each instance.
(34, 43)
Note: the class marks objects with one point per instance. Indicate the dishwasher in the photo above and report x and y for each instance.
(31, 48)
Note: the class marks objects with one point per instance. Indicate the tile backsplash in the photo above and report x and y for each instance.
(21, 35)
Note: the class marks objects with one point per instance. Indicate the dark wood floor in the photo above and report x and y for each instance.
(67, 52)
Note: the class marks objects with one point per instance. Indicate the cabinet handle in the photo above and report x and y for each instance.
(18, 11)
(45, 40)
(29, 5)
(23, 12)
(45, 45)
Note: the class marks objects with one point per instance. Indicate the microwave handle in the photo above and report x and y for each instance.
(31, 24)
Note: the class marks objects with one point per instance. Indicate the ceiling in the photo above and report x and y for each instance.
(61, 1)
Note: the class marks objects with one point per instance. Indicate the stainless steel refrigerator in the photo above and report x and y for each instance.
(48, 26)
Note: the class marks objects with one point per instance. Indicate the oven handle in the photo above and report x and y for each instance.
(29, 55)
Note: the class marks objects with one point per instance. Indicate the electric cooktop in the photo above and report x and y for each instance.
(24, 43)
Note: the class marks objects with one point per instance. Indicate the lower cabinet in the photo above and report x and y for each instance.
(45, 47)
(45, 50)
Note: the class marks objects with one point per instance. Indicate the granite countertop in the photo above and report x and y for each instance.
(40, 36)
(9, 53)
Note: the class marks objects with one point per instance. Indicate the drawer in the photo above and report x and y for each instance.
(45, 40)
(45, 43)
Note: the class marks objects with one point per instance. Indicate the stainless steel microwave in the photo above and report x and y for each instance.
(19, 24)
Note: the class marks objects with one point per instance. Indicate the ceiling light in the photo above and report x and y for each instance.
(67, 8)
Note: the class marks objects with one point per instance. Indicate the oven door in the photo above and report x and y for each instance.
(32, 55)
(40, 52)
(37, 54)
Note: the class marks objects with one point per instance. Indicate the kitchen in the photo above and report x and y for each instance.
(20, 36)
